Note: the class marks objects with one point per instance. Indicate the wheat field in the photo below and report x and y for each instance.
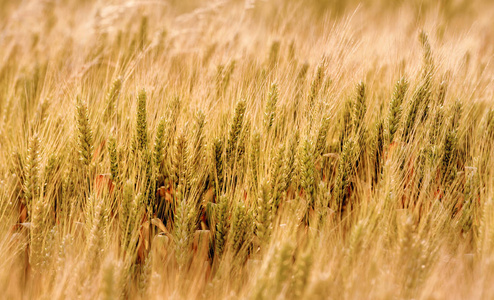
(189, 149)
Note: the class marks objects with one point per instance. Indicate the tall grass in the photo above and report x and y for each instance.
(259, 149)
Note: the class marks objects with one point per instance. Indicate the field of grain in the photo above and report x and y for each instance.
(227, 149)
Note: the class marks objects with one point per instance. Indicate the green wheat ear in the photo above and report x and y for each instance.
(344, 173)
(436, 127)
(441, 95)
(315, 86)
(419, 106)
(141, 134)
(456, 115)
(378, 150)
(270, 113)
(40, 209)
(263, 215)
(127, 215)
(183, 230)
(284, 265)
(301, 273)
(347, 124)
(276, 177)
(241, 149)
(221, 227)
(395, 108)
(150, 182)
(307, 171)
(359, 107)
(52, 166)
(112, 98)
(241, 228)
(198, 141)
(255, 154)
(322, 135)
(470, 205)
(420, 100)
(234, 133)
(96, 233)
(180, 161)
(449, 156)
(428, 61)
(112, 153)
(450, 145)
(218, 163)
(85, 134)
(290, 160)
